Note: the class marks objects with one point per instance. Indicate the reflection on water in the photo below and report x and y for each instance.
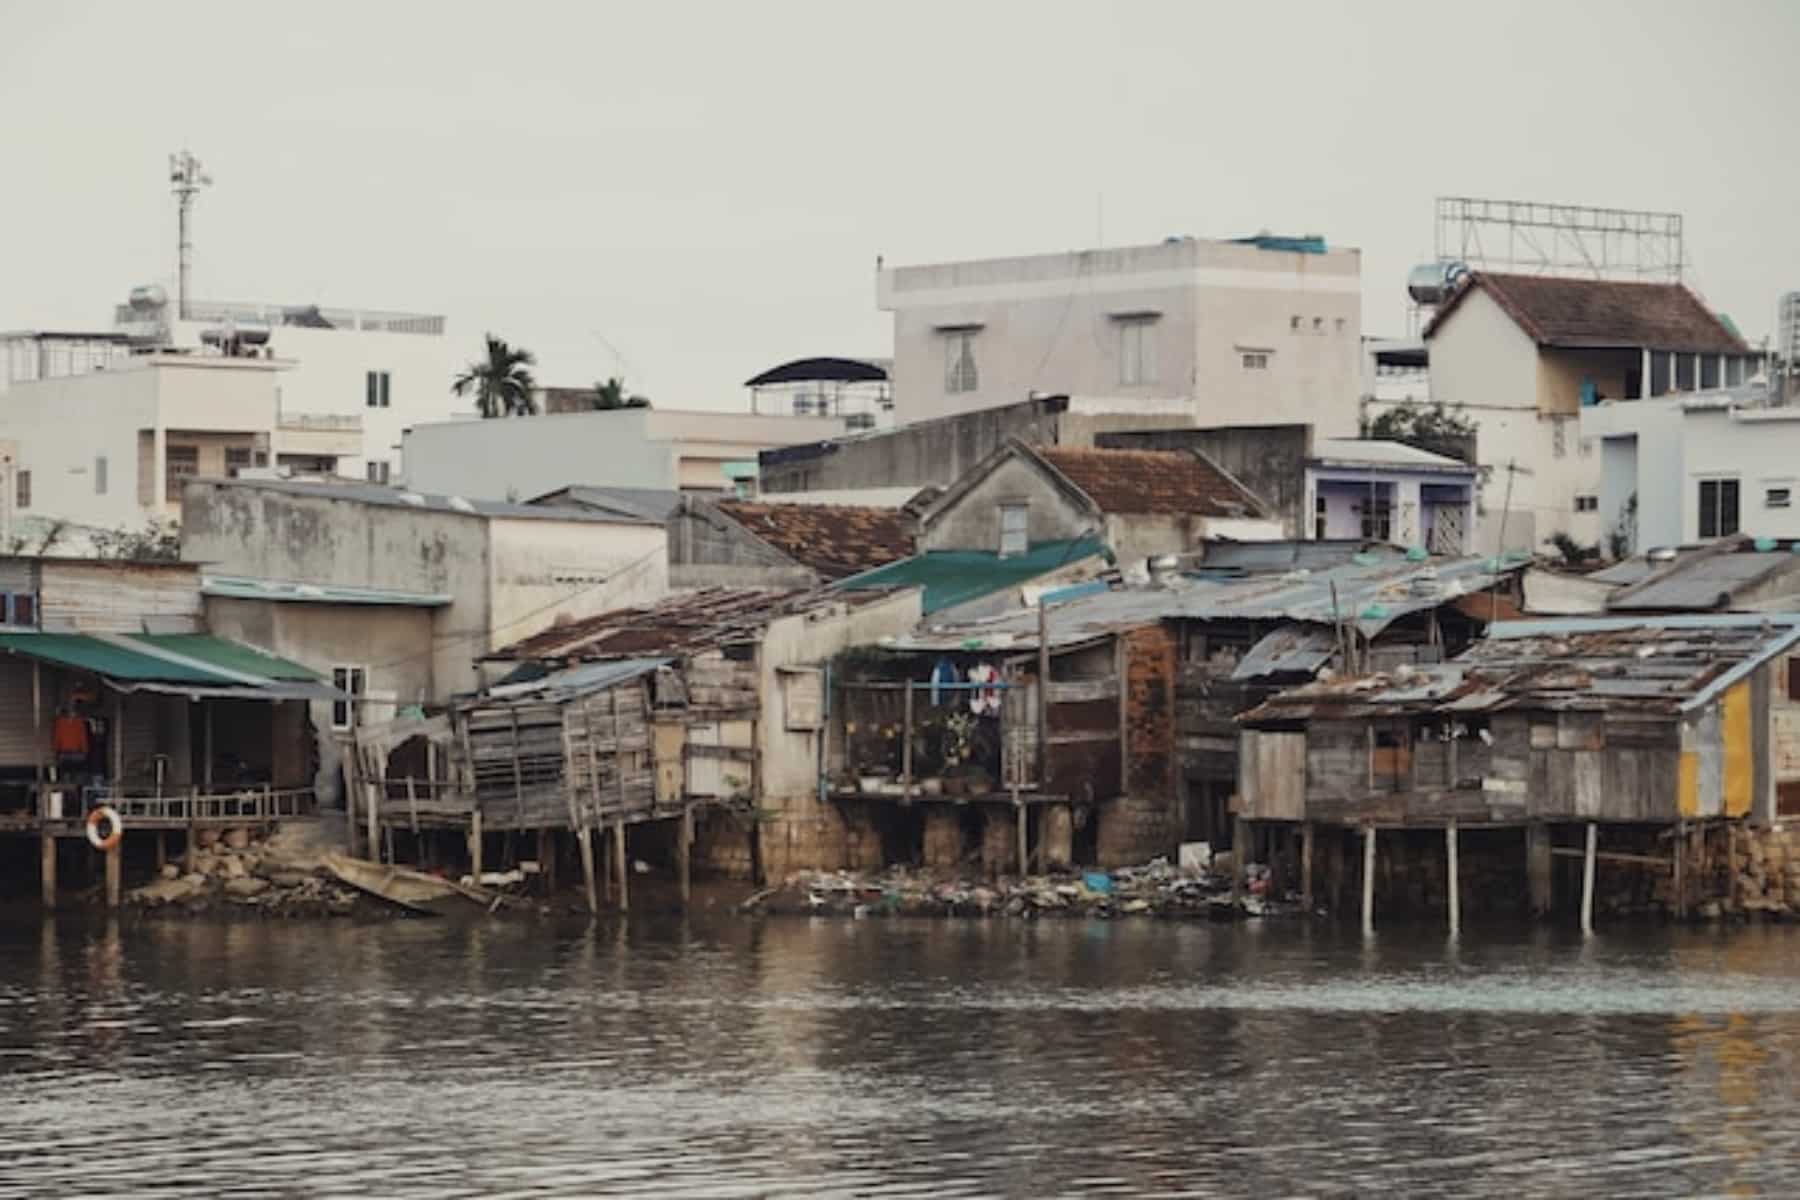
(743, 1058)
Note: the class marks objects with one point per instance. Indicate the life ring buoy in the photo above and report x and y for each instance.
(108, 815)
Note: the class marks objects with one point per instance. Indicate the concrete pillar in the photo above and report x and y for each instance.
(1451, 882)
(1307, 837)
(943, 836)
(1587, 878)
(115, 874)
(999, 838)
(1368, 880)
(1537, 868)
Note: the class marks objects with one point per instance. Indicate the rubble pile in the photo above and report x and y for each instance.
(1154, 889)
(233, 870)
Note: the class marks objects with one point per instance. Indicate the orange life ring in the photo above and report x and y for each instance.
(109, 815)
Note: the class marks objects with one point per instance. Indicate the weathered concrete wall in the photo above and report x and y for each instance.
(972, 522)
(1144, 822)
(1270, 460)
(545, 571)
(268, 534)
(708, 549)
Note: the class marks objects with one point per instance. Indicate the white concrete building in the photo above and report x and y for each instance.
(1390, 492)
(522, 457)
(1693, 468)
(1522, 356)
(359, 379)
(1257, 331)
(111, 448)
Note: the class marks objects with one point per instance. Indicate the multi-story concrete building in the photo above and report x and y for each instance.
(111, 448)
(359, 378)
(1253, 331)
(1522, 356)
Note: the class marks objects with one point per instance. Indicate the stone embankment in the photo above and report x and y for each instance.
(1156, 889)
(232, 870)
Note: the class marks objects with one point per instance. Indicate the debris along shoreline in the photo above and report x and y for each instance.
(1154, 889)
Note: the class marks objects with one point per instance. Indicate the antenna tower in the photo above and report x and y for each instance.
(186, 178)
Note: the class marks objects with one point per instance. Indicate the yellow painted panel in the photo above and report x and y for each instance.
(1687, 788)
(1740, 764)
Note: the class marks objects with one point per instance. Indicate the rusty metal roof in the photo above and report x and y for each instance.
(1371, 592)
(684, 624)
(1712, 578)
(836, 540)
(1663, 665)
(1179, 482)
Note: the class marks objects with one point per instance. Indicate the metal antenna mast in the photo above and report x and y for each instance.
(185, 178)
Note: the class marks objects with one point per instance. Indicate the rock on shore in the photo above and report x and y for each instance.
(235, 870)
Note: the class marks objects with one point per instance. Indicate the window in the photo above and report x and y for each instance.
(376, 393)
(1559, 437)
(1014, 529)
(352, 681)
(18, 608)
(1718, 507)
(378, 470)
(22, 481)
(1587, 503)
(960, 374)
(237, 458)
(1294, 324)
(1793, 678)
(1256, 360)
(1137, 351)
(1318, 324)
(182, 464)
(1377, 520)
(100, 475)
(1340, 324)
(1778, 497)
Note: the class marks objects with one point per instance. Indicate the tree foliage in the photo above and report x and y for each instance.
(157, 541)
(1428, 426)
(611, 394)
(502, 382)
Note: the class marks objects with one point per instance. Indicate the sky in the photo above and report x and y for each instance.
(686, 194)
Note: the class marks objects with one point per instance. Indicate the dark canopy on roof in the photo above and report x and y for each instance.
(821, 370)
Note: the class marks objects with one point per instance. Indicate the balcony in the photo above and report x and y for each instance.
(319, 435)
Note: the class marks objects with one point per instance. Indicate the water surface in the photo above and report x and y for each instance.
(729, 1057)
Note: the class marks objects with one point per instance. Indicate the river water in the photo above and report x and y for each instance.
(736, 1057)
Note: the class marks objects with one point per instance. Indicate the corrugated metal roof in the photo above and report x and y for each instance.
(952, 577)
(1357, 452)
(585, 677)
(104, 657)
(1292, 649)
(1709, 579)
(1666, 665)
(236, 587)
(394, 497)
(1371, 594)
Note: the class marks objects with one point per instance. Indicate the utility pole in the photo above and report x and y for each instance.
(1512, 468)
(186, 178)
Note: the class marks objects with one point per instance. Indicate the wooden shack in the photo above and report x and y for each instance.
(1669, 731)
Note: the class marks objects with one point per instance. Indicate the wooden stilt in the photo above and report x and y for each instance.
(475, 845)
(1681, 837)
(621, 866)
(115, 874)
(1368, 880)
(47, 849)
(1307, 837)
(1587, 878)
(546, 856)
(162, 850)
(1024, 820)
(585, 837)
(1537, 867)
(192, 849)
(684, 854)
(387, 836)
(1454, 884)
(1240, 855)
(373, 794)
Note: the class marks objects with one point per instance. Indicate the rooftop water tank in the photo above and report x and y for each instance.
(1432, 283)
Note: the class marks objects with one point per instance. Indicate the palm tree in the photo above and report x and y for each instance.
(502, 383)
(611, 394)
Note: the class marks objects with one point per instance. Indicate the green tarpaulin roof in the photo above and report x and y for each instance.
(952, 577)
(193, 663)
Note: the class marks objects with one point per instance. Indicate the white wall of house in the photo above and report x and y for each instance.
(1487, 368)
(1662, 450)
(545, 571)
(1410, 504)
(1239, 334)
(523, 457)
(96, 445)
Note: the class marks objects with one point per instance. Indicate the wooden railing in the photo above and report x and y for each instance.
(240, 806)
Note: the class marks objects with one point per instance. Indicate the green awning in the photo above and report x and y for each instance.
(952, 577)
(184, 664)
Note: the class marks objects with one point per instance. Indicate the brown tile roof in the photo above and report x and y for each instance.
(836, 540)
(1153, 481)
(688, 623)
(1602, 312)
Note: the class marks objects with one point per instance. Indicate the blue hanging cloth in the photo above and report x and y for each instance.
(944, 672)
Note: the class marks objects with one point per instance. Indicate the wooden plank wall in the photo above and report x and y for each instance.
(610, 773)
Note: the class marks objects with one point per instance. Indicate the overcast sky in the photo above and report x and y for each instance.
(690, 193)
